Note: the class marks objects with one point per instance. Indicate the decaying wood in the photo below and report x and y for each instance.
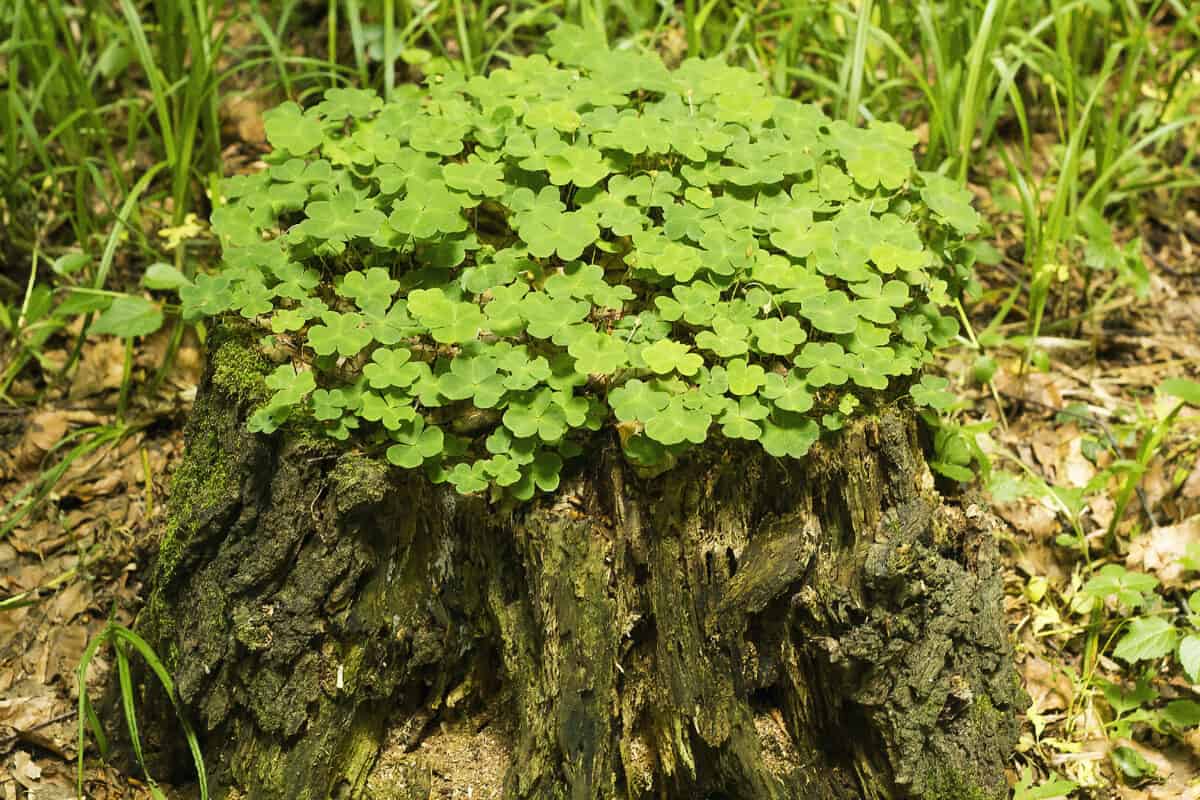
(738, 627)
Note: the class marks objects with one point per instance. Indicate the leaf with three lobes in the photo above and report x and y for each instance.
(344, 334)
(428, 209)
(370, 290)
(666, 356)
(636, 400)
(933, 392)
(449, 321)
(476, 177)
(289, 129)
(548, 318)
(537, 416)
(597, 353)
(677, 424)
(788, 393)
(338, 219)
(742, 420)
(778, 336)
(208, 296)
(566, 234)
(831, 312)
(388, 410)
(389, 368)
(475, 377)
(744, 378)
(826, 363)
(726, 339)
(415, 443)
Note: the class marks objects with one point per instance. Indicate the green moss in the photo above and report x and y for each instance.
(238, 370)
(946, 783)
(205, 478)
(954, 781)
(984, 715)
(359, 480)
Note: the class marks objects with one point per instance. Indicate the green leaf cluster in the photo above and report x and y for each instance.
(484, 272)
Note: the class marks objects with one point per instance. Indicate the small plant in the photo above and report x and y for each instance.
(478, 275)
(123, 640)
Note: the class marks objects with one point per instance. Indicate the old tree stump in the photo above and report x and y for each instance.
(737, 627)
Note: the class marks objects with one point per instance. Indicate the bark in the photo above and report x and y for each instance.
(738, 627)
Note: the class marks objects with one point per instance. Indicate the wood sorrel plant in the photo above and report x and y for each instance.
(483, 272)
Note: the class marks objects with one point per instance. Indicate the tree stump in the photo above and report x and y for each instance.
(737, 627)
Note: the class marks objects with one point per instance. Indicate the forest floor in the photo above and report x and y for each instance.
(1059, 430)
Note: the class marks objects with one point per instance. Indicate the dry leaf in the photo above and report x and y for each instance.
(100, 368)
(1159, 550)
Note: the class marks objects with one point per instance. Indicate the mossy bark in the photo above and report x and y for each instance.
(737, 627)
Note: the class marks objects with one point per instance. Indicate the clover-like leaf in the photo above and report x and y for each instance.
(666, 356)
(743, 419)
(878, 301)
(744, 378)
(791, 435)
(778, 336)
(586, 282)
(341, 102)
(345, 334)
(476, 176)
(331, 404)
(536, 414)
(933, 391)
(449, 321)
(207, 296)
(951, 201)
(547, 318)
(831, 312)
(415, 443)
(598, 353)
(637, 400)
(291, 130)
(676, 424)
(338, 219)
(726, 339)
(474, 377)
(370, 290)
(695, 303)
(565, 234)
(293, 319)
(428, 209)
(389, 367)
(582, 166)
(826, 363)
(390, 411)
(788, 392)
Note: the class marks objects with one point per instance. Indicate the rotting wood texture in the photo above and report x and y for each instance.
(738, 627)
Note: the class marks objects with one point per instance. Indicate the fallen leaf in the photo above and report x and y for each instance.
(25, 770)
(1158, 551)
(100, 369)
(1048, 686)
(26, 713)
